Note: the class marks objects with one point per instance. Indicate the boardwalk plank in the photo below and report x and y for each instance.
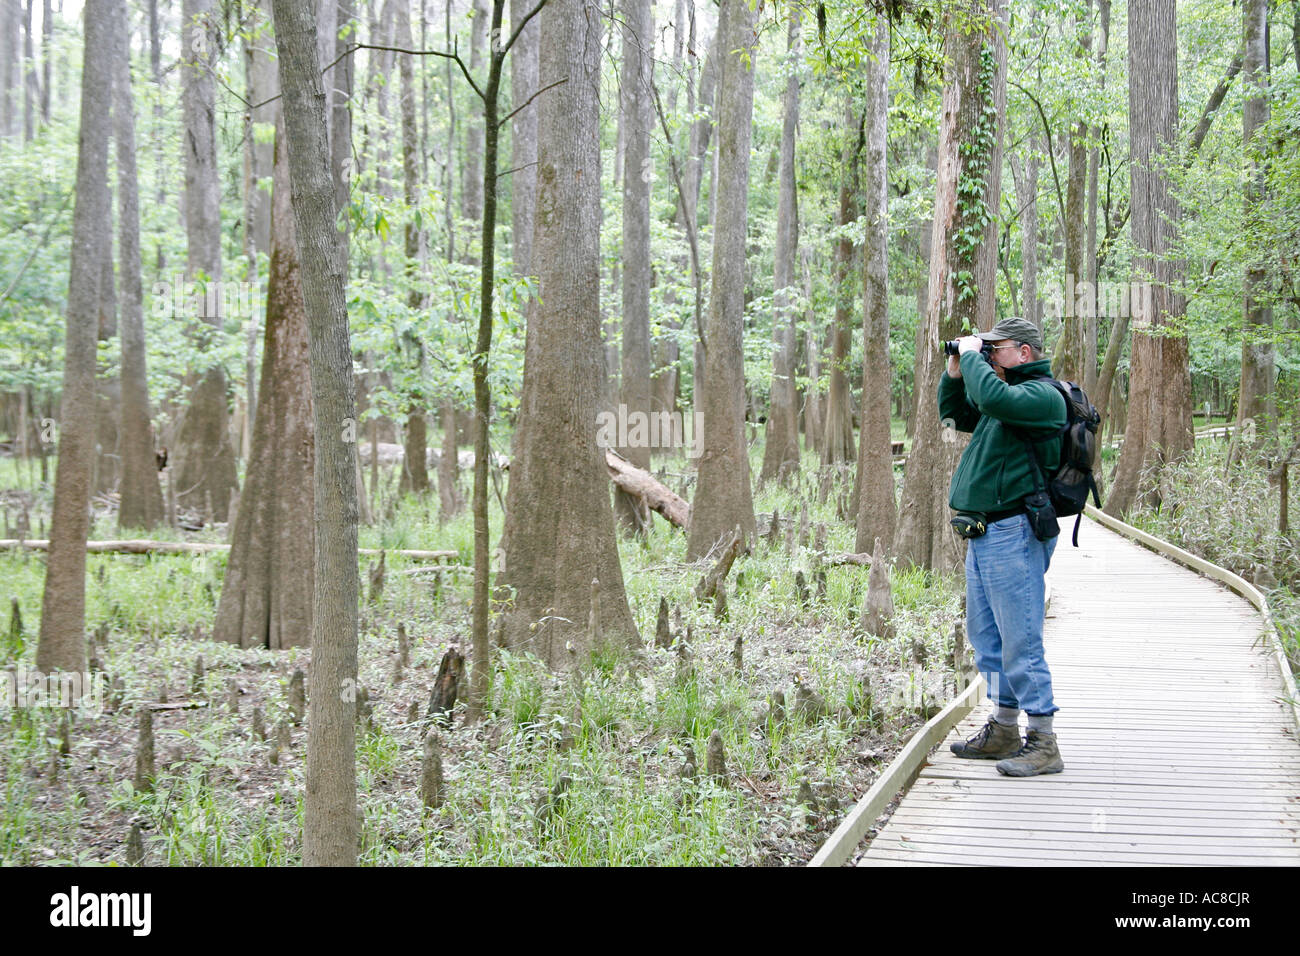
(1177, 748)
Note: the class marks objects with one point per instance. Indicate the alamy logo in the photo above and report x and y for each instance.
(75, 909)
(636, 429)
(1114, 300)
(186, 297)
(24, 686)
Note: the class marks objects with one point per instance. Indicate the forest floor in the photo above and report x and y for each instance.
(620, 732)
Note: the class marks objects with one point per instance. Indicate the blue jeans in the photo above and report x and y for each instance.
(1004, 613)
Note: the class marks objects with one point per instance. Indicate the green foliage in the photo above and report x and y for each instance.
(1228, 514)
(976, 151)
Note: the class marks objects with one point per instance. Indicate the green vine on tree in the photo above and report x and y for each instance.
(977, 149)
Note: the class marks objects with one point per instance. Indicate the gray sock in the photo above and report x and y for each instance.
(1040, 722)
(1007, 716)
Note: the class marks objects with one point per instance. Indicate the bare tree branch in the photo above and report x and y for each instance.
(510, 115)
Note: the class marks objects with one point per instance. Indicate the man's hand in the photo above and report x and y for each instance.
(967, 343)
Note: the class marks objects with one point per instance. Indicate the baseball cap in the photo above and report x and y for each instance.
(1016, 329)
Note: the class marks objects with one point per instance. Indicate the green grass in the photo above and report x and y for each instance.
(619, 731)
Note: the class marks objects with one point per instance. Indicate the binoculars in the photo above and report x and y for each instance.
(950, 348)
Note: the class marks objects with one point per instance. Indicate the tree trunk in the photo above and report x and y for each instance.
(263, 85)
(701, 131)
(471, 206)
(961, 268)
(550, 564)
(450, 501)
(838, 445)
(816, 341)
(108, 393)
(1069, 361)
(415, 473)
(523, 139)
(204, 459)
(47, 58)
(340, 80)
(1160, 389)
(1027, 200)
(1091, 373)
(266, 600)
(875, 507)
(29, 76)
(8, 64)
(1256, 402)
(63, 606)
(723, 500)
(141, 501)
(638, 44)
(330, 828)
(781, 447)
(382, 13)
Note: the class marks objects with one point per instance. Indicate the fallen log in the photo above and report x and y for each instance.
(144, 546)
(641, 484)
(862, 558)
(177, 705)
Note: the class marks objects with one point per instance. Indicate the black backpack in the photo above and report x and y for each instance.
(1069, 486)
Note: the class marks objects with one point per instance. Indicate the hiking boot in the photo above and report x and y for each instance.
(993, 742)
(1039, 755)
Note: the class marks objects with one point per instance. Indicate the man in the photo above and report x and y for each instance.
(1002, 399)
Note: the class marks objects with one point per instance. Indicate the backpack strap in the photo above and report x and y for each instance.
(1040, 482)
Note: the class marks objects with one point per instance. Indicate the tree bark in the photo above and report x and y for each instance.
(838, 444)
(108, 394)
(62, 644)
(1091, 373)
(450, 501)
(960, 289)
(550, 564)
(781, 447)
(266, 600)
(47, 58)
(204, 460)
(1027, 200)
(415, 472)
(1160, 389)
(1256, 401)
(29, 76)
(523, 139)
(638, 43)
(341, 78)
(263, 85)
(723, 500)
(876, 517)
(701, 130)
(471, 207)
(141, 501)
(330, 829)
(1069, 361)
(10, 33)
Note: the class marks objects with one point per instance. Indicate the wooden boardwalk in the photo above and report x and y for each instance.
(1177, 750)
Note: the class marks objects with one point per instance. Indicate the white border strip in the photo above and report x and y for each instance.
(1234, 581)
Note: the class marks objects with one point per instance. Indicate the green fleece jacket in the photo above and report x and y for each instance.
(995, 473)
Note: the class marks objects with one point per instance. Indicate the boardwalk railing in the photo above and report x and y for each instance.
(1234, 581)
(1135, 803)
